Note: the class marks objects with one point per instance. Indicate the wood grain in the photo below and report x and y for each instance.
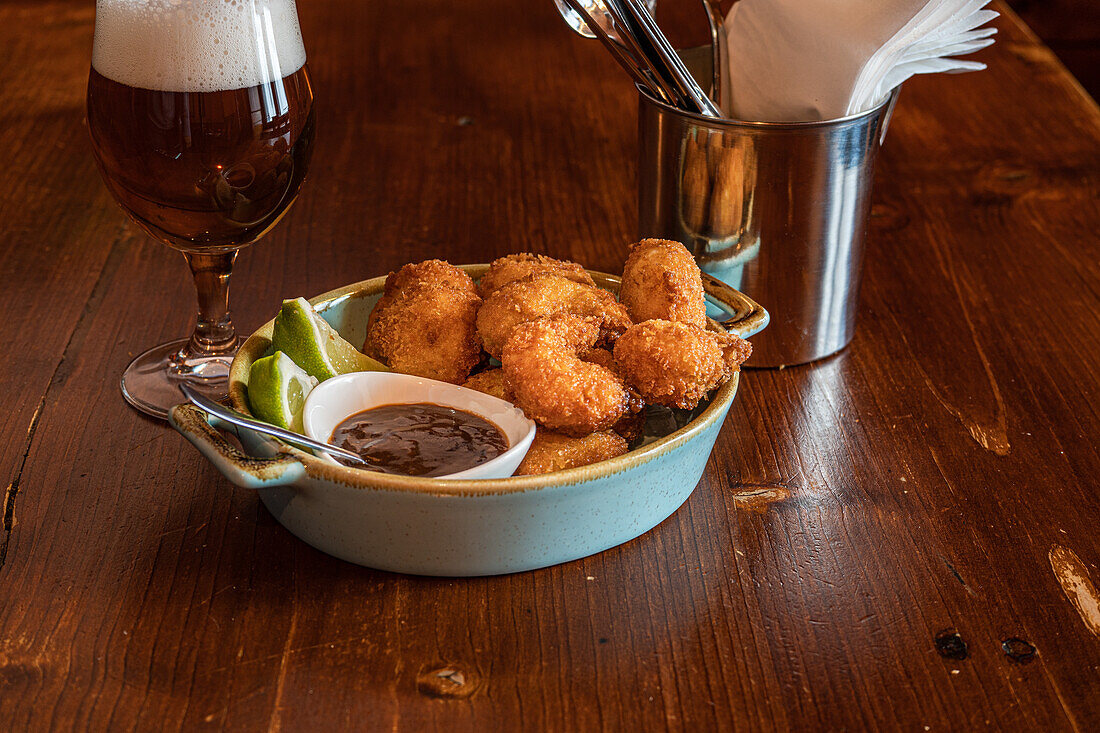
(919, 485)
(1070, 28)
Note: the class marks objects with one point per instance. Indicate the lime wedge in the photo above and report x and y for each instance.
(305, 337)
(277, 389)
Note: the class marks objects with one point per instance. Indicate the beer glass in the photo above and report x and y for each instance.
(201, 118)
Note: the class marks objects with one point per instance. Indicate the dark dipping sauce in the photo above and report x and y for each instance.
(419, 439)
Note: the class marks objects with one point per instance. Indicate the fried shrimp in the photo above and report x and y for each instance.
(662, 281)
(518, 266)
(435, 272)
(415, 275)
(491, 382)
(552, 451)
(553, 386)
(677, 364)
(425, 323)
(545, 295)
(632, 423)
(602, 357)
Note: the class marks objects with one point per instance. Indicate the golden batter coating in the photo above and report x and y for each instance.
(545, 295)
(518, 266)
(628, 426)
(553, 386)
(491, 382)
(433, 272)
(603, 357)
(552, 451)
(677, 364)
(428, 330)
(412, 276)
(631, 425)
(735, 350)
(661, 281)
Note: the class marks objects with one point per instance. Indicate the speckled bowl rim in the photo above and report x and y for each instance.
(257, 344)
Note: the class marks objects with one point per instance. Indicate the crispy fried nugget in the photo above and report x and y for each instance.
(735, 350)
(491, 382)
(518, 266)
(632, 423)
(416, 274)
(425, 323)
(436, 272)
(553, 386)
(677, 364)
(661, 281)
(545, 295)
(552, 451)
(603, 357)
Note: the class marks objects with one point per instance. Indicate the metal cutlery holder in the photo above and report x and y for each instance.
(777, 210)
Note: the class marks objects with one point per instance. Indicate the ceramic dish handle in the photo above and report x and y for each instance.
(242, 469)
(748, 317)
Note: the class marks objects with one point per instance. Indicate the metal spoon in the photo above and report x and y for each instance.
(642, 49)
(583, 16)
(574, 20)
(235, 418)
(661, 57)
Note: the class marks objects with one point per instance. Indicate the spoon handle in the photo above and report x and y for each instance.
(625, 56)
(663, 58)
(235, 418)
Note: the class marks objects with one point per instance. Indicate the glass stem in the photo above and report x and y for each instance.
(214, 334)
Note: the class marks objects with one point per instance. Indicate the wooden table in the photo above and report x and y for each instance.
(901, 537)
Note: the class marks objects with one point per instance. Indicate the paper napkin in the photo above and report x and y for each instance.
(796, 60)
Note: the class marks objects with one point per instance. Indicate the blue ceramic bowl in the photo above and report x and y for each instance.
(462, 527)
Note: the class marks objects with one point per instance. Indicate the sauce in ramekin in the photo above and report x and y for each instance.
(419, 439)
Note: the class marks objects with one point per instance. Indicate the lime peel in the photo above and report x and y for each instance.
(303, 335)
(277, 390)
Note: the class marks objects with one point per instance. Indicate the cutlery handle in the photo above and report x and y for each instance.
(249, 472)
(663, 60)
(232, 417)
(623, 55)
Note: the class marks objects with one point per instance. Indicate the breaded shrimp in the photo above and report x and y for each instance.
(552, 451)
(413, 275)
(631, 424)
(602, 357)
(553, 386)
(428, 330)
(662, 281)
(491, 382)
(545, 295)
(434, 272)
(677, 364)
(518, 266)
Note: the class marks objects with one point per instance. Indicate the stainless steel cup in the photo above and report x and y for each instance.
(776, 210)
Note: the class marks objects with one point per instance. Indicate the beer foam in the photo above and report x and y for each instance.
(197, 45)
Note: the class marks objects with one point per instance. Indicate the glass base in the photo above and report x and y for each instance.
(151, 382)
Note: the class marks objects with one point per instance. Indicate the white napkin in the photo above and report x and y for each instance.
(796, 60)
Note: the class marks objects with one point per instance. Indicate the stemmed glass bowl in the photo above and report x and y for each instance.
(201, 118)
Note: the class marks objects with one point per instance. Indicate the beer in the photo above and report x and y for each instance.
(201, 126)
(201, 118)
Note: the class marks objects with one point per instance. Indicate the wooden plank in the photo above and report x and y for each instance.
(1070, 28)
(57, 221)
(852, 512)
